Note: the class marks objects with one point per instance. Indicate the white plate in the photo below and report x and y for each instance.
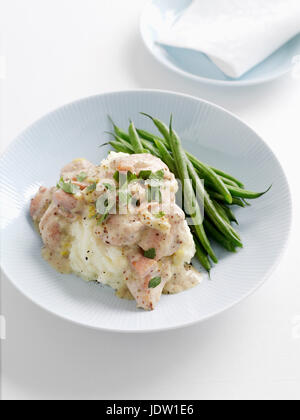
(76, 130)
(197, 66)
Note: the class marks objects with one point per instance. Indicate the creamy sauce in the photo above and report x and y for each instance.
(183, 278)
(126, 251)
(59, 263)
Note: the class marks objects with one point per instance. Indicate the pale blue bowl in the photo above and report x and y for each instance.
(77, 130)
(199, 67)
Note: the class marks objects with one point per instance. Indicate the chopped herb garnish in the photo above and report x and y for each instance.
(159, 175)
(68, 187)
(131, 177)
(154, 282)
(145, 175)
(117, 176)
(121, 177)
(81, 177)
(109, 187)
(92, 187)
(151, 254)
(160, 215)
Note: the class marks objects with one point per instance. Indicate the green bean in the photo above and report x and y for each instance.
(212, 177)
(238, 192)
(230, 214)
(229, 182)
(207, 172)
(211, 211)
(123, 143)
(150, 137)
(207, 179)
(221, 211)
(122, 137)
(190, 197)
(166, 157)
(226, 178)
(148, 144)
(218, 237)
(165, 144)
(119, 147)
(235, 201)
(163, 152)
(221, 183)
(159, 151)
(161, 126)
(118, 131)
(150, 148)
(221, 190)
(202, 256)
(225, 175)
(135, 139)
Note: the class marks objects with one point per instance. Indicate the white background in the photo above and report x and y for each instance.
(61, 50)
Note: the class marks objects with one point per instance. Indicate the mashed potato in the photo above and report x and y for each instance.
(133, 238)
(92, 259)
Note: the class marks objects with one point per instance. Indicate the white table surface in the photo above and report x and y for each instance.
(61, 50)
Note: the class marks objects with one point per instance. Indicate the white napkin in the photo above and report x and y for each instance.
(235, 34)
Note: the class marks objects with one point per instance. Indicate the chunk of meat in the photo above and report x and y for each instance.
(145, 298)
(160, 225)
(138, 163)
(50, 228)
(40, 203)
(164, 243)
(144, 270)
(67, 201)
(153, 238)
(73, 169)
(81, 185)
(121, 230)
(142, 266)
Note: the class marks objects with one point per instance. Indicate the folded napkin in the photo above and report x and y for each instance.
(235, 34)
